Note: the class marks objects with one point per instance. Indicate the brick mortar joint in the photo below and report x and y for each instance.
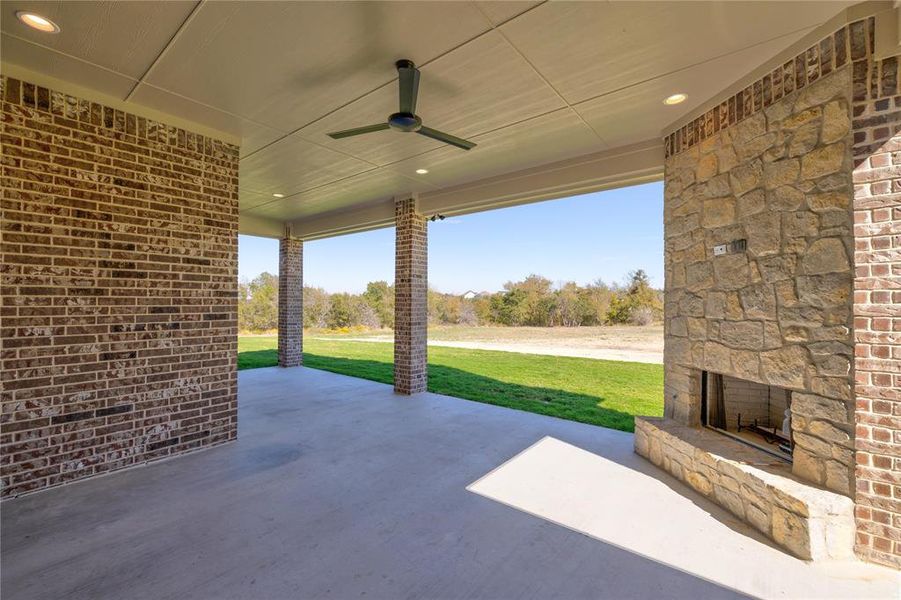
(17, 92)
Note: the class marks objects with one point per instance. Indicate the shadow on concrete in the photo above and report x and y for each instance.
(544, 401)
(573, 406)
(336, 487)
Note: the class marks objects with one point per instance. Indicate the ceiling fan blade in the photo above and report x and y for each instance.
(408, 80)
(337, 135)
(446, 138)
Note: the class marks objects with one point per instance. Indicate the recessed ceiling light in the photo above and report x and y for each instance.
(422, 171)
(675, 99)
(37, 22)
(278, 195)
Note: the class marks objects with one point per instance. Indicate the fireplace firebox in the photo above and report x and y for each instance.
(751, 412)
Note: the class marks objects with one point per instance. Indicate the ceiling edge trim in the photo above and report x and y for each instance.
(260, 226)
(609, 169)
(373, 216)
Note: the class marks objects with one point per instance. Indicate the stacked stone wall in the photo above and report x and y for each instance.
(779, 312)
(813, 305)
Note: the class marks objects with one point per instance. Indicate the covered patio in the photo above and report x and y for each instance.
(140, 138)
(338, 488)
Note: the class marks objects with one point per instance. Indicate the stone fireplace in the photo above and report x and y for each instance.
(770, 390)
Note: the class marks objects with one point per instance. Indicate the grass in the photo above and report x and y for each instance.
(599, 392)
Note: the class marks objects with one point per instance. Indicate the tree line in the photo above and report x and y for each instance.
(534, 301)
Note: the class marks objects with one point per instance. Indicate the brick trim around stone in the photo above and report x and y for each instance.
(854, 43)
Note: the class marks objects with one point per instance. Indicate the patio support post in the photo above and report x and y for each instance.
(290, 302)
(410, 286)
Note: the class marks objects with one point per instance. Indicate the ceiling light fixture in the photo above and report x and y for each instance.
(422, 171)
(278, 195)
(37, 22)
(675, 99)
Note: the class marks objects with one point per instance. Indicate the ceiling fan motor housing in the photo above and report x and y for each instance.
(404, 122)
(405, 119)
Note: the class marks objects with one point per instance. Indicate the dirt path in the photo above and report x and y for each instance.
(631, 344)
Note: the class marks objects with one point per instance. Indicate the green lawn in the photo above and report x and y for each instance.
(599, 392)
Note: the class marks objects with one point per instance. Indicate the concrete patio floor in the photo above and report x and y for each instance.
(338, 488)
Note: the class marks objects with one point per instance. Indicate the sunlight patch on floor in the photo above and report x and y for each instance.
(618, 505)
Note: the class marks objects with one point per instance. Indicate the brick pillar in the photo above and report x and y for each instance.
(290, 302)
(877, 311)
(410, 286)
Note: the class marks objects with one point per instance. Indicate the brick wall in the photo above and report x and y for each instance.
(410, 309)
(119, 289)
(290, 302)
(877, 309)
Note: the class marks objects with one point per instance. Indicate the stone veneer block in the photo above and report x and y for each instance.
(810, 522)
(290, 302)
(119, 289)
(410, 299)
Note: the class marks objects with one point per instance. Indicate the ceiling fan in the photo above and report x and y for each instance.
(406, 120)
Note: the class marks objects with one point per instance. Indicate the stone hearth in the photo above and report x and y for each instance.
(811, 523)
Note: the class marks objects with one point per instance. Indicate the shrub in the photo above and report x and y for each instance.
(643, 315)
(636, 295)
(533, 301)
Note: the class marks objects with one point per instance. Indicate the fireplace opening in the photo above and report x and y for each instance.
(754, 413)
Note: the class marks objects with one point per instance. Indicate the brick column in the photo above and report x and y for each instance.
(877, 310)
(290, 302)
(410, 286)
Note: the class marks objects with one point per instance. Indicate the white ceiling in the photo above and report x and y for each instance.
(530, 82)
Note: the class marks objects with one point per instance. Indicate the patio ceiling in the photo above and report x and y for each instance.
(532, 83)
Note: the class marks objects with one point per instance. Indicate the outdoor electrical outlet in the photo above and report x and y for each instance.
(730, 248)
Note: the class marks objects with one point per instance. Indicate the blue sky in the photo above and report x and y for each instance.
(603, 235)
